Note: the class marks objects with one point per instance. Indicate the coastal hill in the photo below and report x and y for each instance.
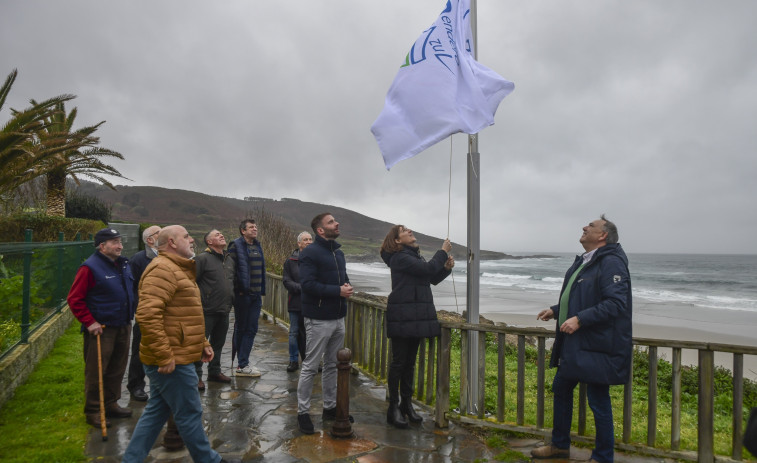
(199, 212)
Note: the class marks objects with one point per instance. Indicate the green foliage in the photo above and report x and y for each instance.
(689, 396)
(46, 228)
(277, 238)
(83, 206)
(43, 421)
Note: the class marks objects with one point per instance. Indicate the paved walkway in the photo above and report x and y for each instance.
(255, 419)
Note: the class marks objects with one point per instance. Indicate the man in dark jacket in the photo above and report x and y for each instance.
(325, 289)
(138, 263)
(249, 289)
(102, 299)
(296, 321)
(215, 278)
(593, 340)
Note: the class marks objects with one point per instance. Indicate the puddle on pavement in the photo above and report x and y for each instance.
(321, 448)
(229, 395)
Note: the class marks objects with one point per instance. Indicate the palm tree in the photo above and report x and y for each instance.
(20, 161)
(81, 156)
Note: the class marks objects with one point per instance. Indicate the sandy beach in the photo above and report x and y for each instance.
(668, 321)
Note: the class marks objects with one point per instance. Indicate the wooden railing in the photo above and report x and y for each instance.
(366, 337)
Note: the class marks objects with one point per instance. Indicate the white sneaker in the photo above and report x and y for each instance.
(248, 371)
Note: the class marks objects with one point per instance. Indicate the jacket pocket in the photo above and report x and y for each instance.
(598, 338)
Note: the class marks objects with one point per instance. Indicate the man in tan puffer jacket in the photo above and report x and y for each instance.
(173, 338)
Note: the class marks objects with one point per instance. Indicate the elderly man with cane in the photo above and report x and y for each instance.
(102, 299)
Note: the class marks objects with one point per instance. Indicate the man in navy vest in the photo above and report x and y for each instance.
(593, 338)
(102, 299)
(249, 289)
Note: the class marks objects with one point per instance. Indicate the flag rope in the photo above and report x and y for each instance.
(449, 207)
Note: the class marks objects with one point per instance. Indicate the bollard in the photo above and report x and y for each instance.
(172, 441)
(342, 427)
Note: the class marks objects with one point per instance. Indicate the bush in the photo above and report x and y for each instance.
(84, 206)
(46, 228)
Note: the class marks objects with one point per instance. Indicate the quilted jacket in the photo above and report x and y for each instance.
(170, 312)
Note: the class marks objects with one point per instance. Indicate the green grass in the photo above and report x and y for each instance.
(44, 421)
(689, 386)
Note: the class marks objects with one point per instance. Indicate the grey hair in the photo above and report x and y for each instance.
(146, 235)
(301, 235)
(610, 229)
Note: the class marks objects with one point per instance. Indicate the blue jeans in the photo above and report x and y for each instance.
(246, 314)
(599, 402)
(295, 319)
(172, 393)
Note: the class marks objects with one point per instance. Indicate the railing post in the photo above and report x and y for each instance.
(430, 374)
(652, 398)
(738, 403)
(26, 289)
(540, 365)
(464, 358)
(628, 406)
(59, 289)
(481, 402)
(521, 380)
(706, 437)
(501, 351)
(675, 407)
(442, 378)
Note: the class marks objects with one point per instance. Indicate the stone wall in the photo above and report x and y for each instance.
(16, 367)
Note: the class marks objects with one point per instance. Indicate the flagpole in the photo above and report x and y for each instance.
(474, 243)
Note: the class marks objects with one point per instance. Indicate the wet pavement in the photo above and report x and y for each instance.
(255, 420)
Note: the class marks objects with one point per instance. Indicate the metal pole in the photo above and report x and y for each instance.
(474, 241)
(26, 287)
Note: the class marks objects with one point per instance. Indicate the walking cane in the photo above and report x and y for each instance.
(103, 423)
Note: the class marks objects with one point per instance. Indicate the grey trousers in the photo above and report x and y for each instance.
(324, 338)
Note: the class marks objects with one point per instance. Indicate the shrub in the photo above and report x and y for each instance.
(84, 206)
(46, 228)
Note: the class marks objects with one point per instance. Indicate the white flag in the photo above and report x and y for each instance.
(440, 90)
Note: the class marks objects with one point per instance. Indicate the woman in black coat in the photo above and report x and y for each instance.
(410, 314)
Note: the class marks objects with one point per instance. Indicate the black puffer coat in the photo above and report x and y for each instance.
(410, 311)
(292, 282)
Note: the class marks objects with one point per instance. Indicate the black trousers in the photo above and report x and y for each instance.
(402, 368)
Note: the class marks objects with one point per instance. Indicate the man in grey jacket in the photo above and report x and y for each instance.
(215, 278)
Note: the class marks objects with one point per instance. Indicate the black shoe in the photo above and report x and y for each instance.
(293, 366)
(200, 385)
(139, 395)
(305, 424)
(406, 407)
(330, 414)
(394, 416)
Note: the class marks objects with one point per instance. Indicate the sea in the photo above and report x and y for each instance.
(709, 296)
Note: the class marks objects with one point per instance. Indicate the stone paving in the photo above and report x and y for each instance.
(255, 420)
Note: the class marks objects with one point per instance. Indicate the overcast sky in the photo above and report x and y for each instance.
(643, 110)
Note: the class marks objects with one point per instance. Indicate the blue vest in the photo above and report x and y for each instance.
(250, 277)
(111, 300)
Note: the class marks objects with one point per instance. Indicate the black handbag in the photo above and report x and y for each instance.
(750, 433)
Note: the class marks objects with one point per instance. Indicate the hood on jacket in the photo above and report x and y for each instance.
(295, 255)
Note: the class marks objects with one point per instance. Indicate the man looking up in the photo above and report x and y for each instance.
(291, 280)
(173, 338)
(593, 339)
(138, 262)
(325, 289)
(215, 277)
(249, 289)
(102, 299)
